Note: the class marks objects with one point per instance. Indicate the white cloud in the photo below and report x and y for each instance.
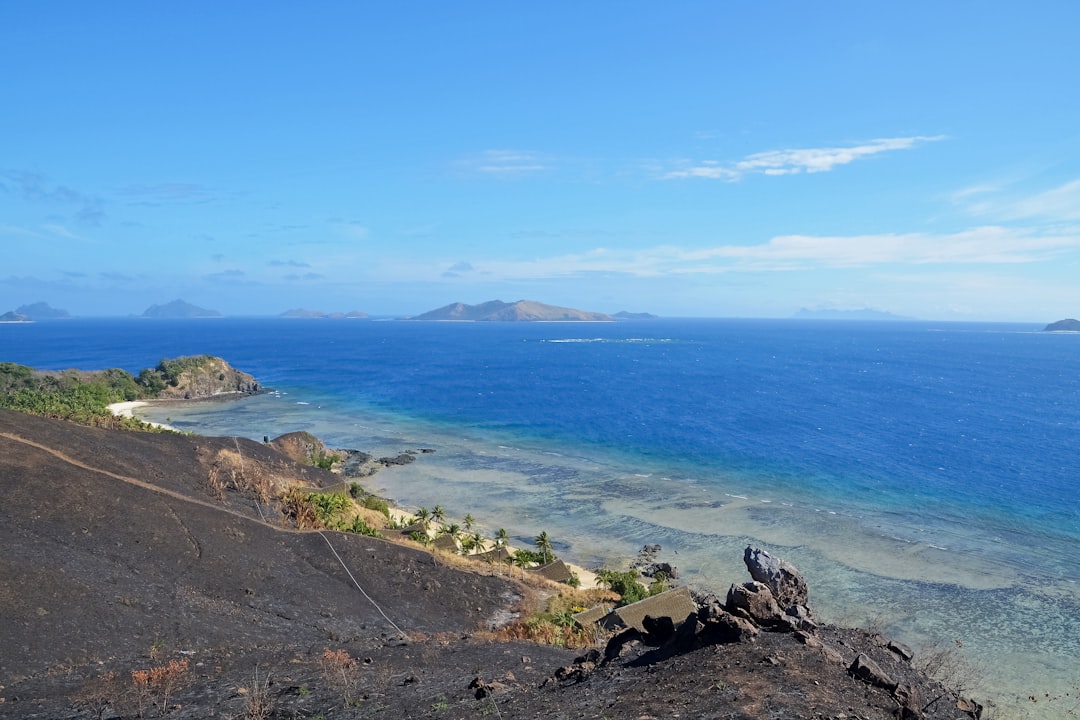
(505, 163)
(983, 246)
(795, 161)
(1060, 203)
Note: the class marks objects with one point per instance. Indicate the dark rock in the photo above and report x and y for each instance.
(755, 602)
(870, 672)
(617, 644)
(658, 630)
(901, 649)
(910, 699)
(969, 707)
(785, 581)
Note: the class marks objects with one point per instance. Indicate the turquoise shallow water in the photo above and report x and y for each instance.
(920, 475)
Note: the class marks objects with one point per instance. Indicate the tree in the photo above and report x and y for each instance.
(438, 514)
(424, 516)
(478, 542)
(543, 545)
(453, 530)
(467, 522)
(501, 537)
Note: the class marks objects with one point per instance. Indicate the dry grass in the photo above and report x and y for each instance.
(156, 685)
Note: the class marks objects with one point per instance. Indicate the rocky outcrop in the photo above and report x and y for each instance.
(203, 376)
(783, 579)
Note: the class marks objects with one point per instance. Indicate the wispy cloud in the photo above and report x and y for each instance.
(289, 263)
(168, 193)
(1003, 201)
(982, 246)
(794, 161)
(35, 187)
(1060, 203)
(505, 163)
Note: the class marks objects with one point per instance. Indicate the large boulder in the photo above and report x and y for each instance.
(782, 578)
(755, 602)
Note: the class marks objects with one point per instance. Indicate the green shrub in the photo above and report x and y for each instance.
(360, 527)
(624, 583)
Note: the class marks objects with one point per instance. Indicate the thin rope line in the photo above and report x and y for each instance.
(374, 604)
(241, 456)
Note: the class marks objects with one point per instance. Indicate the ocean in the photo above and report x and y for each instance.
(922, 476)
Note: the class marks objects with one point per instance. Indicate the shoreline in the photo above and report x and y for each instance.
(588, 579)
(607, 512)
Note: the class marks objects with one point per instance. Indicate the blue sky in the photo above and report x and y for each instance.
(699, 158)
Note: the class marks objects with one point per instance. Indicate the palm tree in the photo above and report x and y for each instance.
(501, 537)
(467, 522)
(438, 514)
(477, 542)
(543, 544)
(424, 516)
(453, 530)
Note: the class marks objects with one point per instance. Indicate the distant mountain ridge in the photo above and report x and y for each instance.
(863, 314)
(520, 311)
(42, 311)
(319, 314)
(624, 315)
(179, 309)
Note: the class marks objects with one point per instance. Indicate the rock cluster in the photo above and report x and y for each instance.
(776, 600)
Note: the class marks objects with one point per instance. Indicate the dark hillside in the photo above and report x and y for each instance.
(138, 579)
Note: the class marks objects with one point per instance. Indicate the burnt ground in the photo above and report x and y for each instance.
(124, 552)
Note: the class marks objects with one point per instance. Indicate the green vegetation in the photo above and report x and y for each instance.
(84, 397)
(626, 584)
(70, 395)
(543, 546)
(324, 510)
(369, 501)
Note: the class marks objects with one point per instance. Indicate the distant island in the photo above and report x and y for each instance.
(863, 314)
(33, 312)
(42, 311)
(179, 309)
(1066, 325)
(624, 315)
(520, 311)
(319, 314)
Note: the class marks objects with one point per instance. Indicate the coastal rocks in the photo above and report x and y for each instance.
(865, 669)
(200, 376)
(755, 602)
(647, 564)
(301, 447)
(782, 578)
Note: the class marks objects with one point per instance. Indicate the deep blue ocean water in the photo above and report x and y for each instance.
(926, 467)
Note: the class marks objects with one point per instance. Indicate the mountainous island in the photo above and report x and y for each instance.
(34, 312)
(1066, 325)
(179, 309)
(624, 315)
(520, 311)
(303, 313)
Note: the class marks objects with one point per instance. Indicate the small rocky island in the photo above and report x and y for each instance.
(179, 309)
(1066, 325)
